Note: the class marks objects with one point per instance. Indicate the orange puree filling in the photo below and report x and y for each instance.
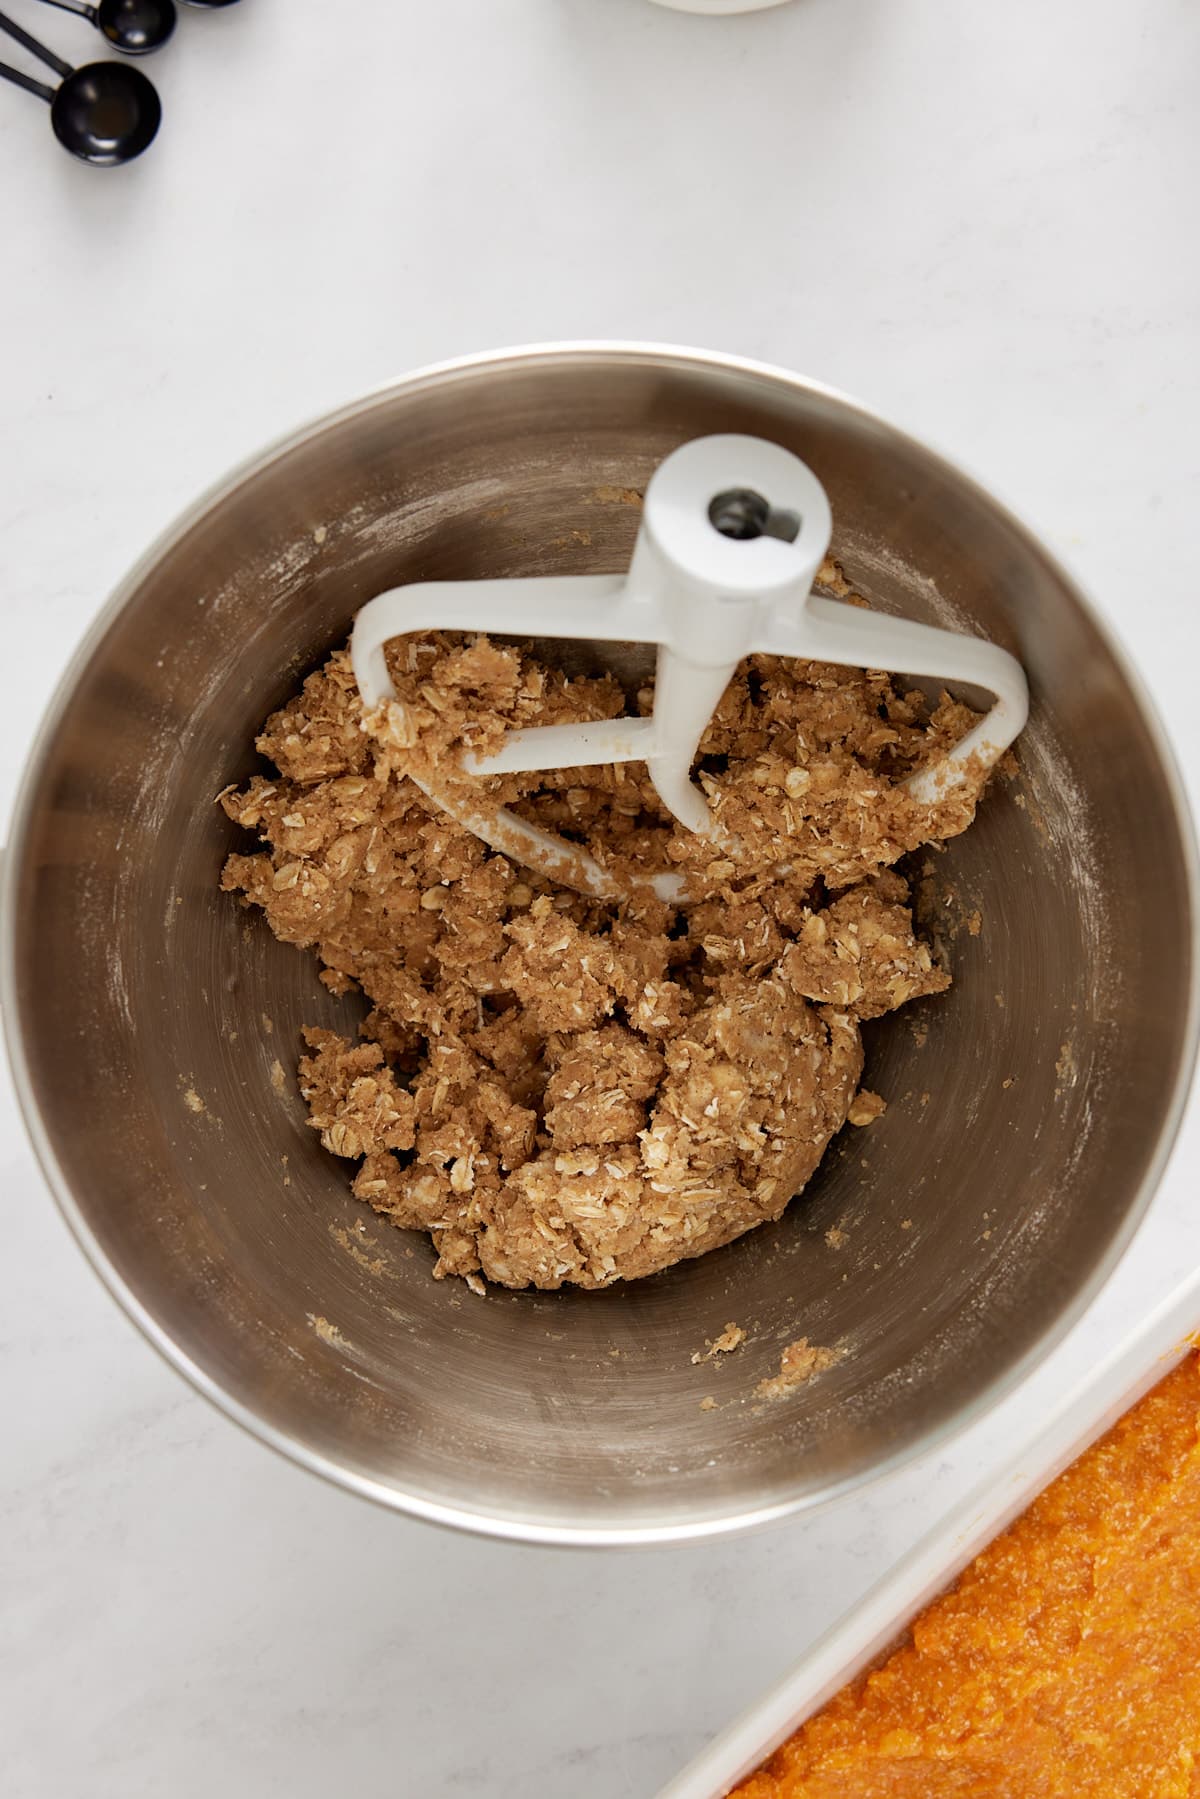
(1066, 1660)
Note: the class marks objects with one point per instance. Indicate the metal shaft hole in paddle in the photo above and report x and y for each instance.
(742, 514)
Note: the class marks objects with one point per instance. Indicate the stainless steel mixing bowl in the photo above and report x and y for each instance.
(153, 1024)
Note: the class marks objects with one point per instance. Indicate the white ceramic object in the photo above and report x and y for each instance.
(880, 1619)
(733, 532)
(720, 6)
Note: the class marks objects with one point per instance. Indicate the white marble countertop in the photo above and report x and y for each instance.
(981, 220)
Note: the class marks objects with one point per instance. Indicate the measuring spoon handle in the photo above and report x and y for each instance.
(8, 73)
(37, 49)
(82, 8)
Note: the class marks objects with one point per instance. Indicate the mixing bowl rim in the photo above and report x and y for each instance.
(513, 1524)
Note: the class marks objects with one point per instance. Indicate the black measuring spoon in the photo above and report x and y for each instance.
(134, 26)
(105, 112)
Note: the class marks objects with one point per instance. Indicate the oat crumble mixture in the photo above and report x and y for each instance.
(566, 1090)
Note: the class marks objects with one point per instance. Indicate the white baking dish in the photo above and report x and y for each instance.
(878, 1620)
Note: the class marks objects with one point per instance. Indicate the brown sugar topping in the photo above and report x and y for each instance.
(562, 1089)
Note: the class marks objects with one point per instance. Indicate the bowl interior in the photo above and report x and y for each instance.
(155, 1023)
